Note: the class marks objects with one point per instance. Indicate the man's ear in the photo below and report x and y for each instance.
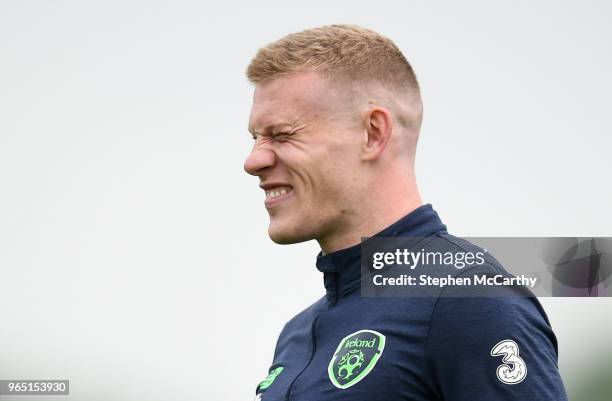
(378, 128)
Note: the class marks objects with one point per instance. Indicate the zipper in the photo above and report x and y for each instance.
(332, 300)
(314, 348)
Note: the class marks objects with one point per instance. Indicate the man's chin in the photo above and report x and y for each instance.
(285, 236)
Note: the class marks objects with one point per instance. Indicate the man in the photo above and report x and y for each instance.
(335, 118)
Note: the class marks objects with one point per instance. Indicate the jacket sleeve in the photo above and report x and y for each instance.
(495, 348)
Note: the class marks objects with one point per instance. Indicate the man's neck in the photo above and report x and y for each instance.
(370, 224)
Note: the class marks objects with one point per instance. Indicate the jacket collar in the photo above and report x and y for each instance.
(342, 269)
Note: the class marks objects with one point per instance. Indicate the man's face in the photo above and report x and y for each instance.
(306, 155)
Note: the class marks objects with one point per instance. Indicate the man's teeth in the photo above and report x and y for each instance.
(272, 193)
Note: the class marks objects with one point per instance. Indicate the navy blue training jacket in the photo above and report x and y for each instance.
(353, 348)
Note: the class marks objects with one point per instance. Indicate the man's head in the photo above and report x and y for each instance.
(336, 116)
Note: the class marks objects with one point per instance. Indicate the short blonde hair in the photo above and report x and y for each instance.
(336, 51)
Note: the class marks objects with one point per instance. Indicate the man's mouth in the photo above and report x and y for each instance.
(277, 194)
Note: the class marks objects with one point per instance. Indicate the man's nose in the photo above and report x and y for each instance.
(258, 160)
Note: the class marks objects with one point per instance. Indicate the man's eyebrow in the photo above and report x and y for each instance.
(272, 127)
